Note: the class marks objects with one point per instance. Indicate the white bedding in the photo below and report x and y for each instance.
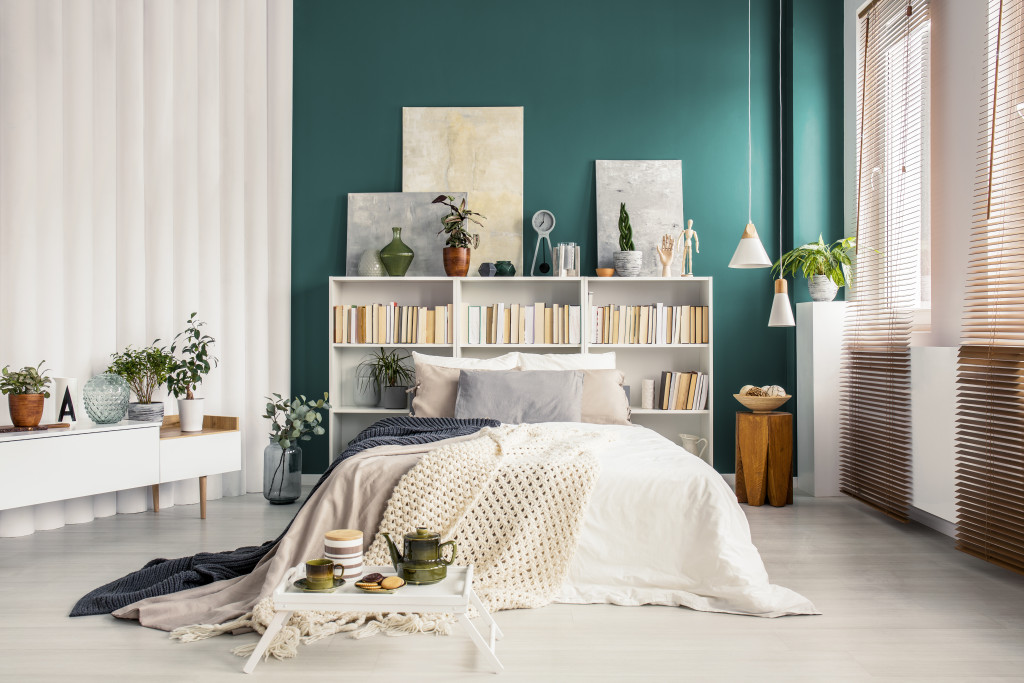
(664, 528)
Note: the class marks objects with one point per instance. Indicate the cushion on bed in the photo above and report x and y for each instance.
(604, 400)
(567, 361)
(437, 380)
(507, 361)
(515, 397)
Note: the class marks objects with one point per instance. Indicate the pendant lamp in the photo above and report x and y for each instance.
(749, 252)
(782, 311)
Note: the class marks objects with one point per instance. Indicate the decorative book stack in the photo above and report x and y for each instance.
(682, 391)
(650, 324)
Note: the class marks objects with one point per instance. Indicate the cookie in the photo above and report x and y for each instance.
(372, 578)
(367, 584)
(392, 582)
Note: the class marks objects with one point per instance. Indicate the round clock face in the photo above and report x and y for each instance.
(543, 222)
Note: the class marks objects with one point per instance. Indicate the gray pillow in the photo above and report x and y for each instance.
(517, 397)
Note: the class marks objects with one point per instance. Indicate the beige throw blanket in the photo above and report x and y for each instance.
(513, 498)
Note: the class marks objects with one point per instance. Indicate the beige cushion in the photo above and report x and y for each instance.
(567, 361)
(436, 391)
(604, 399)
(508, 361)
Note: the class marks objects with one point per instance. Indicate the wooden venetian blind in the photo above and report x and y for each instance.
(892, 133)
(990, 370)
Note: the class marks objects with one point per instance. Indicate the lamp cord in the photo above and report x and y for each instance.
(750, 136)
(781, 185)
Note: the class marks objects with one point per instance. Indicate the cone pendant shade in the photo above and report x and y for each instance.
(750, 252)
(782, 312)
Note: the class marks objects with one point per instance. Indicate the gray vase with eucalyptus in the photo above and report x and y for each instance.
(282, 473)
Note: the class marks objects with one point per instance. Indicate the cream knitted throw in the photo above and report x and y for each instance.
(513, 499)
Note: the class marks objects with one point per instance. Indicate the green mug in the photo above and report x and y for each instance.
(320, 574)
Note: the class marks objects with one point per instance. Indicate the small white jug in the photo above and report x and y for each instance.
(696, 445)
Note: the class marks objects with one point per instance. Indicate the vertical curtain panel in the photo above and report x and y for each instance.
(145, 173)
(891, 203)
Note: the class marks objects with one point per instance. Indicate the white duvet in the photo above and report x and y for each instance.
(664, 528)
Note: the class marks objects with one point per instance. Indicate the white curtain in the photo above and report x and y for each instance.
(145, 173)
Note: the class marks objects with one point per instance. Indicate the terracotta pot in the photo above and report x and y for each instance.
(26, 409)
(456, 261)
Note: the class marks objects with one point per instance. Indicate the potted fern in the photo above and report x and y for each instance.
(145, 370)
(826, 266)
(459, 239)
(25, 390)
(387, 371)
(191, 365)
(627, 260)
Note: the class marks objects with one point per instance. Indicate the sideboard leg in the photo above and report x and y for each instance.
(202, 497)
(156, 497)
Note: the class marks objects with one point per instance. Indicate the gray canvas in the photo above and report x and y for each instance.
(653, 193)
(371, 215)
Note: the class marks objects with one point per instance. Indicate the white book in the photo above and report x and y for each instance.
(684, 325)
(622, 325)
(599, 326)
(538, 322)
(474, 324)
(530, 322)
(499, 314)
(659, 330)
(574, 325)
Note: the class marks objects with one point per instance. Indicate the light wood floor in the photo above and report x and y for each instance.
(899, 604)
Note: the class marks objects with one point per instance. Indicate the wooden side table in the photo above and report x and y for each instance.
(185, 455)
(764, 458)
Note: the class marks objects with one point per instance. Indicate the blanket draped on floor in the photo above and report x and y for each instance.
(513, 499)
(161, 576)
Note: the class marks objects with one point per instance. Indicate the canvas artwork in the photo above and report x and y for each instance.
(478, 150)
(653, 193)
(371, 215)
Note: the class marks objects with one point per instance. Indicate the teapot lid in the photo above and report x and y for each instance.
(422, 533)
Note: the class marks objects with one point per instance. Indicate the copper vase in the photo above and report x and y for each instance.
(456, 261)
(26, 409)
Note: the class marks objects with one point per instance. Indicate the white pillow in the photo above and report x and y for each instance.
(567, 361)
(509, 361)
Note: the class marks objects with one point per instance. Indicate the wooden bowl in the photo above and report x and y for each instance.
(761, 404)
(605, 272)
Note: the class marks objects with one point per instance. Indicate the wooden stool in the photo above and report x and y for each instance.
(764, 458)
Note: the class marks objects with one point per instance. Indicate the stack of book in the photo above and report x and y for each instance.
(682, 391)
(390, 323)
(520, 324)
(653, 324)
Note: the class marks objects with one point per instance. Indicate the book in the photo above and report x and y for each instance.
(692, 389)
(549, 332)
(529, 320)
(522, 323)
(673, 394)
(645, 312)
(339, 324)
(666, 387)
(431, 319)
(473, 325)
(684, 391)
(513, 336)
(538, 323)
(659, 330)
(507, 326)
(706, 336)
(421, 325)
(556, 324)
(699, 325)
(574, 325)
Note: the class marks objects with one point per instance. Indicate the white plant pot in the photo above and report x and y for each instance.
(822, 288)
(190, 412)
(628, 263)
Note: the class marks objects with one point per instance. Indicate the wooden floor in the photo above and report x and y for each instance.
(899, 604)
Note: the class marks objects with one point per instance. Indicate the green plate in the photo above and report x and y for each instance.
(302, 586)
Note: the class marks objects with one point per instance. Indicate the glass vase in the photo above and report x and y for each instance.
(282, 473)
(397, 256)
(106, 398)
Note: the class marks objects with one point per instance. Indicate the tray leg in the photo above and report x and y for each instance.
(481, 644)
(486, 618)
(280, 619)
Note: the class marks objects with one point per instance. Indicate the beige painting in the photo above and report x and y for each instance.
(478, 150)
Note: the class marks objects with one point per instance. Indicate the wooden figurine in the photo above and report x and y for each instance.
(666, 254)
(690, 240)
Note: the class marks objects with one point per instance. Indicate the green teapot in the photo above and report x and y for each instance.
(422, 562)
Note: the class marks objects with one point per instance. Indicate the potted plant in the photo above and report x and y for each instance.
(627, 260)
(388, 372)
(290, 422)
(145, 370)
(459, 238)
(826, 266)
(25, 390)
(191, 365)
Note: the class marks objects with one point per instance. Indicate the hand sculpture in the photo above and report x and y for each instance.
(666, 254)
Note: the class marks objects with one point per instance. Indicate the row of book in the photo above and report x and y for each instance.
(653, 324)
(682, 391)
(390, 323)
(521, 324)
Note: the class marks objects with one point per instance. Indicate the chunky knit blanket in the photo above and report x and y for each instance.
(162, 576)
(513, 499)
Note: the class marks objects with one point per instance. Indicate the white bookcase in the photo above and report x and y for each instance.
(637, 361)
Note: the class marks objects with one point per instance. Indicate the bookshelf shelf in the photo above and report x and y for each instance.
(635, 360)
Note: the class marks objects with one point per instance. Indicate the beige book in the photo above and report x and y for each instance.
(449, 324)
(488, 325)
(514, 324)
(549, 326)
(439, 326)
(692, 338)
(693, 387)
(339, 324)
(538, 323)
(523, 312)
(684, 391)
(506, 332)
(615, 325)
(705, 329)
(673, 395)
(421, 325)
(556, 324)
(431, 325)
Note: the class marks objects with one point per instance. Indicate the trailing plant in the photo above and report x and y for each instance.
(193, 361)
(454, 224)
(295, 420)
(28, 380)
(625, 230)
(144, 369)
(818, 258)
(386, 369)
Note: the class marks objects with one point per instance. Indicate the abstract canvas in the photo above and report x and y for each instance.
(653, 194)
(478, 150)
(371, 215)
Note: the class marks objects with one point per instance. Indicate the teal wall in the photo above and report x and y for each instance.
(647, 79)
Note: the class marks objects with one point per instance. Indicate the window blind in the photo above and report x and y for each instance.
(892, 131)
(990, 368)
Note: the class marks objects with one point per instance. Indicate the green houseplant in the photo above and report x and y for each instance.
(145, 370)
(826, 266)
(390, 375)
(459, 240)
(25, 390)
(628, 260)
(192, 362)
(291, 421)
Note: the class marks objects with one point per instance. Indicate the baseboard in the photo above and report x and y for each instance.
(944, 527)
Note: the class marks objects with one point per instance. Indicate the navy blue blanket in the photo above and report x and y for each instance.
(161, 576)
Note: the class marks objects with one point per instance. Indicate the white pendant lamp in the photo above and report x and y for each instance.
(782, 312)
(749, 252)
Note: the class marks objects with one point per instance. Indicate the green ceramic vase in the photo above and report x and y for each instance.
(505, 269)
(397, 256)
